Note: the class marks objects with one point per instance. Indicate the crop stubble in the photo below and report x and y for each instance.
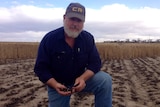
(136, 83)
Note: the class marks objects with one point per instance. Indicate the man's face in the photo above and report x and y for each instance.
(73, 26)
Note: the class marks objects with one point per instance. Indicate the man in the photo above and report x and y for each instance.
(68, 62)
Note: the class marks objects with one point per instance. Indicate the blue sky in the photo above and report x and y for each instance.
(30, 20)
(88, 3)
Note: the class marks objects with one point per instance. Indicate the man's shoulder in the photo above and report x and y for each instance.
(86, 35)
(56, 32)
(53, 36)
(84, 32)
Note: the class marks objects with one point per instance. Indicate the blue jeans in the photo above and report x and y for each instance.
(100, 85)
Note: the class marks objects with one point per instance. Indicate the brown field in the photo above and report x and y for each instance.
(136, 79)
(11, 51)
(128, 50)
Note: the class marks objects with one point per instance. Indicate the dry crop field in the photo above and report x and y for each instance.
(135, 71)
(11, 51)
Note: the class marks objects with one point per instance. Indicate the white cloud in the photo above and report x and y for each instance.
(111, 22)
(14, 2)
(31, 1)
(28, 11)
(49, 5)
(121, 13)
(23, 36)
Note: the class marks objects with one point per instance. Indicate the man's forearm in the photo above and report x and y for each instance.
(87, 75)
(51, 82)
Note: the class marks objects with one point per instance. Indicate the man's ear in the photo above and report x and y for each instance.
(64, 16)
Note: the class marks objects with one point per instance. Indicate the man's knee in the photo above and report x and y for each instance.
(105, 78)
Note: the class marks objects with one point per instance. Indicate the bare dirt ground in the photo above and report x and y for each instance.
(136, 83)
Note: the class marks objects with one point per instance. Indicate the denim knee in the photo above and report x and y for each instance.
(106, 79)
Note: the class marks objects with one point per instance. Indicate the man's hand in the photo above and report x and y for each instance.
(81, 81)
(60, 88)
(63, 90)
(79, 85)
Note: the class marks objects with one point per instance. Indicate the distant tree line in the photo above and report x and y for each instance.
(134, 41)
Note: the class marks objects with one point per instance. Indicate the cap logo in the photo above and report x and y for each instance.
(77, 9)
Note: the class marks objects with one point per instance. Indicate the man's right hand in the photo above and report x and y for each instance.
(63, 90)
(60, 88)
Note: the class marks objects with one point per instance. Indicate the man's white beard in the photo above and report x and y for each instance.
(72, 34)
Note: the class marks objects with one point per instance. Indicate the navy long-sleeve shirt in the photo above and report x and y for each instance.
(56, 59)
